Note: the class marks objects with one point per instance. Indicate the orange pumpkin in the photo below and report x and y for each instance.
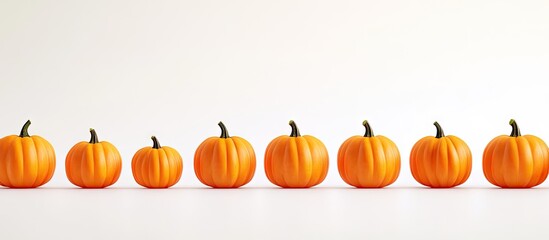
(516, 161)
(296, 161)
(25, 161)
(224, 162)
(93, 164)
(157, 166)
(441, 161)
(368, 161)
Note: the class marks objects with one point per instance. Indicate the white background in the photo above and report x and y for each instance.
(132, 69)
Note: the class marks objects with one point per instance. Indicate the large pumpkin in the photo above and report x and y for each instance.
(25, 161)
(157, 166)
(441, 161)
(225, 161)
(296, 161)
(516, 161)
(368, 161)
(93, 164)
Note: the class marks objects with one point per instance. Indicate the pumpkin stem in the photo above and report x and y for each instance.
(25, 129)
(156, 144)
(440, 132)
(369, 131)
(516, 130)
(295, 130)
(224, 132)
(93, 139)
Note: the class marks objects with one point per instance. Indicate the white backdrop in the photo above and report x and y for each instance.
(131, 69)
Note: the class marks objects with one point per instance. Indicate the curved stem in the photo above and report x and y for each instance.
(156, 144)
(440, 132)
(516, 130)
(224, 132)
(369, 131)
(25, 129)
(93, 139)
(295, 130)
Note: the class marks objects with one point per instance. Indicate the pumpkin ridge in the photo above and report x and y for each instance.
(135, 162)
(197, 164)
(250, 151)
(233, 170)
(356, 167)
(304, 158)
(244, 176)
(413, 161)
(544, 164)
(455, 171)
(112, 162)
(340, 162)
(216, 162)
(525, 175)
(268, 166)
(164, 168)
(490, 169)
(534, 148)
(424, 164)
(280, 165)
(366, 149)
(463, 173)
(50, 167)
(2, 162)
(146, 168)
(17, 164)
(69, 164)
(39, 155)
(441, 168)
(536, 174)
(433, 158)
(153, 167)
(7, 155)
(497, 164)
(28, 158)
(380, 165)
(389, 168)
(289, 163)
(348, 168)
(206, 166)
(139, 166)
(321, 156)
(100, 174)
(241, 175)
(168, 167)
(506, 181)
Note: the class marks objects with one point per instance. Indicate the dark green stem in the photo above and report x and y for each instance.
(440, 132)
(516, 130)
(93, 139)
(369, 131)
(224, 132)
(295, 130)
(25, 129)
(156, 144)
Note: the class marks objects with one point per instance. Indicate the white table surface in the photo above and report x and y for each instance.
(273, 213)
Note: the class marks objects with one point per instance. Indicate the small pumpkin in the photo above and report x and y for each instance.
(516, 161)
(441, 161)
(93, 164)
(157, 166)
(296, 161)
(26, 161)
(225, 161)
(368, 161)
